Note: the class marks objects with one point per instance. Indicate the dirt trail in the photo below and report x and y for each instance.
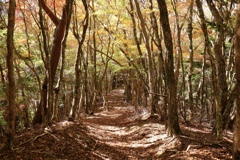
(121, 133)
(130, 133)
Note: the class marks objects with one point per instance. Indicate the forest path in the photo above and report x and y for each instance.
(127, 134)
(123, 133)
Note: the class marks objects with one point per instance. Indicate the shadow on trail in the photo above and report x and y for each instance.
(132, 133)
(121, 133)
(124, 133)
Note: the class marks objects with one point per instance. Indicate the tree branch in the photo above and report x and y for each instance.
(51, 15)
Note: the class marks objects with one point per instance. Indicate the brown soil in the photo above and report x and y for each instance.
(118, 134)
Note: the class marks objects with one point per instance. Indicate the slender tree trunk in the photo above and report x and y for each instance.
(76, 98)
(47, 89)
(58, 87)
(2, 74)
(101, 80)
(190, 88)
(159, 66)
(131, 12)
(11, 92)
(221, 81)
(179, 45)
(173, 127)
(39, 116)
(215, 89)
(95, 83)
(86, 84)
(149, 57)
(79, 57)
(236, 135)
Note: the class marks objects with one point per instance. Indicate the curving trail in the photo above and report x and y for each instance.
(123, 133)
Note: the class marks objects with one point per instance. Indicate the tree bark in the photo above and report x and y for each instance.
(47, 87)
(11, 92)
(149, 57)
(190, 88)
(179, 46)
(58, 87)
(79, 57)
(131, 12)
(222, 96)
(173, 127)
(215, 88)
(236, 135)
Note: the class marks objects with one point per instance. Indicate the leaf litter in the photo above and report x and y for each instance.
(121, 133)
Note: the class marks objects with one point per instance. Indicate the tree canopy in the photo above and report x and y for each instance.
(176, 58)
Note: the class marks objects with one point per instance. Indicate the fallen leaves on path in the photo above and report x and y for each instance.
(121, 133)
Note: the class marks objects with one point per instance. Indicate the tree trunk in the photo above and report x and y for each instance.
(236, 135)
(54, 59)
(190, 88)
(79, 58)
(131, 12)
(179, 45)
(76, 98)
(58, 87)
(86, 84)
(173, 127)
(11, 92)
(222, 95)
(215, 88)
(149, 57)
(95, 82)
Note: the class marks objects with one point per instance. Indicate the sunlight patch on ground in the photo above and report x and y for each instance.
(202, 130)
(110, 115)
(100, 155)
(62, 125)
(132, 137)
(228, 136)
(111, 130)
(144, 142)
(124, 131)
(203, 152)
(170, 143)
(93, 117)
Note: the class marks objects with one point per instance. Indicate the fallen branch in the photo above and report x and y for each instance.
(193, 147)
(53, 136)
(33, 139)
(202, 144)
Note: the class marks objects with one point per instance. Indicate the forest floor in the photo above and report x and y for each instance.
(118, 134)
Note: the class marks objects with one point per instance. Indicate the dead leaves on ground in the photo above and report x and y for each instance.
(120, 133)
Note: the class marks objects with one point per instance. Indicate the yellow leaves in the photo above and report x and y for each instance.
(20, 40)
(99, 12)
(126, 42)
(26, 54)
(80, 16)
(106, 12)
(197, 33)
(101, 31)
(196, 56)
(127, 23)
(147, 11)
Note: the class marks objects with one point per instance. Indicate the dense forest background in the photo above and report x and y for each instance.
(178, 58)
